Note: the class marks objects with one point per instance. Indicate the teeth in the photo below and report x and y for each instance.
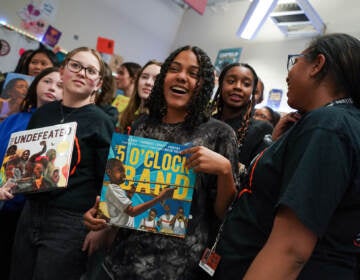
(178, 90)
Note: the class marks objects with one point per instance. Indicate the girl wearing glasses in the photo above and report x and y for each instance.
(178, 112)
(50, 230)
(297, 216)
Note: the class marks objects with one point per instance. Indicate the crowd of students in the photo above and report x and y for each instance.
(283, 208)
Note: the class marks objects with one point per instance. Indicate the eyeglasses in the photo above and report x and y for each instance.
(292, 58)
(75, 67)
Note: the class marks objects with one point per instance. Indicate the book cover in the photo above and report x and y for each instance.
(38, 160)
(149, 176)
(13, 92)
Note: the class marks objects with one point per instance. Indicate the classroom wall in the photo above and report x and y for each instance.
(146, 29)
(142, 29)
(267, 57)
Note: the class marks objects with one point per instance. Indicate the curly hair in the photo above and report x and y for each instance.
(128, 116)
(219, 102)
(198, 109)
(342, 63)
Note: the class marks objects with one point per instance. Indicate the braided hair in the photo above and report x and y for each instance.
(198, 109)
(219, 102)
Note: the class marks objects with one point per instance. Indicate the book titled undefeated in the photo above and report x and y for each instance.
(148, 169)
(38, 160)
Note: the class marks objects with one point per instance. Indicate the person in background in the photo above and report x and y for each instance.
(22, 61)
(45, 88)
(39, 60)
(126, 77)
(106, 95)
(300, 209)
(125, 83)
(235, 101)
(259, 92)
(143, 87)
(179, 112)
(267, 114)
(39, 253)
(12, 96)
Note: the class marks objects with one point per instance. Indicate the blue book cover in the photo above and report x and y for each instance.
(147, 186)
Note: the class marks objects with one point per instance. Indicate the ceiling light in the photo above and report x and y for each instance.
(255, 17)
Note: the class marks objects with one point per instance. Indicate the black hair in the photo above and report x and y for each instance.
(50, 54)
(10, 85)
(30, 100)
(198, 110)
(22, 61)
(275, 116)
(111, 162)
(219, 102)
(342, 64)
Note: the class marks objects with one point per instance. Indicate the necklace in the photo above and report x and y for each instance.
(63, 116)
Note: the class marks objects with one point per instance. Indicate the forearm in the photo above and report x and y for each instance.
(288, 248)
(226, 190)
(138, 209)
(275, 264)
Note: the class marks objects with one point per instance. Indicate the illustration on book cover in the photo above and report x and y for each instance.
(147, 186)
(39, 159)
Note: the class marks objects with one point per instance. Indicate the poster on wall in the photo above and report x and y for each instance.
(36, 15)
(225, 57)
(274, 98)
(105, 45)
(12, 44)
(51, 36)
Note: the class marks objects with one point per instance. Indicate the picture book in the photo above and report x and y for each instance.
(38, 160)
(147, 186)
(13, 92)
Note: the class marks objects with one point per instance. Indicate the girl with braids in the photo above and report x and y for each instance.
(45, 88)
(179, 112)
(297, 217)
(143, 87)
(235, 101)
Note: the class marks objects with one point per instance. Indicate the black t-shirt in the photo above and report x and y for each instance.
(314, 169)
(94, 131)
(254, 139)
(143, 255)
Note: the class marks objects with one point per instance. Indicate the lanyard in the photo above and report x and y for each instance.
(245, 190)
(347, 100)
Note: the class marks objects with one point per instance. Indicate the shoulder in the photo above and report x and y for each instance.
(215, 124)
(260, 127)
(335, 118)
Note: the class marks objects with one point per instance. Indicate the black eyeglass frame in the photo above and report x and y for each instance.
(291, 60)
(81, 68)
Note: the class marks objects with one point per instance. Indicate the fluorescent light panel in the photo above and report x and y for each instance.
(255, 17)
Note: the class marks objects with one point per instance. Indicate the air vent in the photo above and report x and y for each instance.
(297, 18)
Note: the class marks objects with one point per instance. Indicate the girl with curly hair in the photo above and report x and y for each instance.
(179, 112)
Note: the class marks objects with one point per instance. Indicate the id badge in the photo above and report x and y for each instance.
(209, 261)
